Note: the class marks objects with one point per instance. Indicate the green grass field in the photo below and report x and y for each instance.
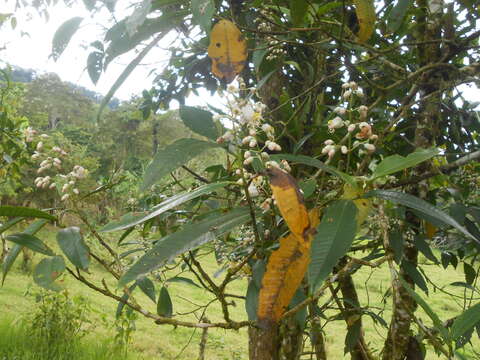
(151, 341)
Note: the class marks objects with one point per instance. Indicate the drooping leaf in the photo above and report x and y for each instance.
(425, 248)
(395, 163)
(13, 253)
(31, 242)
(251, 300)
(184, 280)
(71, 242)
(397, 15)
(95, 65)
(63, 35)
(172, 156)
(170, 203)
(227, 49)
(423, 207)
(5, 226)
(363, 205)
(298, 10)
(365, 10)
(470, 273)
(415, 275)
(334, 236)
(396, 242)
(124, 298)
(189, 237)
(137, 18)
(465, 322)
(164, 304)
(47, 271)
(148, 288)
(8, 210)
(306, 160)
(202, 12)
(428, 310)
(199, 121)
(289, 201)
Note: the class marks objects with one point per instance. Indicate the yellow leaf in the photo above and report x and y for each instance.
(430, 230)
(289, 201)
(365, 10)
(227, 49)
(363, 205)
(286, 268)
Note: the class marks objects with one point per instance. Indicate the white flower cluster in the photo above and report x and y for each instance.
(50, 159)
(346, 118)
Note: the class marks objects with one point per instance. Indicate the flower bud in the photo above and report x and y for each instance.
(370, 147)
(344, 149)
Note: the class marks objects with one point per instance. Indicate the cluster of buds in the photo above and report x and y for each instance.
(344, 118)
(29, 134)
(44, 182)
(50, 159)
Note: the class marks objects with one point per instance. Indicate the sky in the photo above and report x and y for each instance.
(33, 50)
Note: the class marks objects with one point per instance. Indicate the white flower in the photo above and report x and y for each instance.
(327, 148)
(44, 136)
(335, 123)
(252, 132)
(331, 152)
(238, 172)
(65, 187)
(64, 197)
(286, 165)
(240, 181)
(40, 146)
(246, 139)
(56, 149)
(76, 191)
(52, 186)
(247, 154)
(329, 142)
(347, 94)
(353, 85)
(44, 163)
(351, 127)
(374, 137)
(346, 86)
(267, 128)
(247, 114)
(358, 92)
(252, 143)
(340, 110)
(344, 149)
(248, 161)
(272, 164)
(370, 147)
(264, 155)
(253, 191)
(35, 155)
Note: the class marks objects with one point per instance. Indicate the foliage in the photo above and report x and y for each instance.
(362, 101)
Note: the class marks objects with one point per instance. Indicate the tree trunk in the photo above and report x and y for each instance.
(263, 343)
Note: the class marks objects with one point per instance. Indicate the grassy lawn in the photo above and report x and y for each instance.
(151, 341)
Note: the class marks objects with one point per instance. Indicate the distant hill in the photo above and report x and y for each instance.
(22, 75)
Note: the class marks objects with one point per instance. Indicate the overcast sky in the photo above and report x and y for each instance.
(33, 50)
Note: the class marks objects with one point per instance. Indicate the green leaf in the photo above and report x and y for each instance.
(15, 250)
(137, 18)
(187, 238)
(173, 156)
(465, 322)
(470, 273)
(425, 248)
(423, 207)
(63, 35)
(170, 203)
(30, 242)
(396, 243)
(126, 72)
(164, 305)
(47, 271)
(202, 11)
(306, 160)
(199, 121)
(298, 10)
(125, 297)
(5, 226)
(334, 236)
(73, 246)
(428, 310)
(397, 14)
(148, 288)
(95, 65)
(394, 163)
(184, 280)
(8, 210)
(415, 275)
(251, 300)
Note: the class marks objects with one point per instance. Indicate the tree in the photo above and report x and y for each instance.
(359, 102)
